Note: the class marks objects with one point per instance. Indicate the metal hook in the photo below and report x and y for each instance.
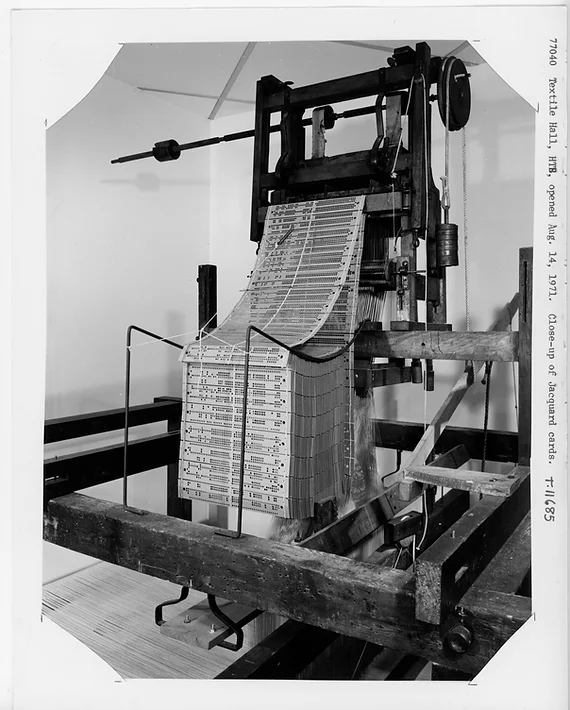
(158, 620)
(232, 625)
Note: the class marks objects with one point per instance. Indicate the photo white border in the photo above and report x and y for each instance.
(531, 670)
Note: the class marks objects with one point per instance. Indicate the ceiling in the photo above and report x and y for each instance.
(218, 79)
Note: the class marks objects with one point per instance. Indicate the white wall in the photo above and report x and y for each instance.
(123, 246)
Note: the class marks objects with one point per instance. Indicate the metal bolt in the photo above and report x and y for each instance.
(459, 638)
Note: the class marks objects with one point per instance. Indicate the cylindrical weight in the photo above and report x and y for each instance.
(447, 245)
(416, 371)
(166, 150)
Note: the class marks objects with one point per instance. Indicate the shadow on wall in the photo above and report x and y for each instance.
(150, 182)
(83, 400)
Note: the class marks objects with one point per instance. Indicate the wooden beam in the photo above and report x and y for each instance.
(282, 655)
(345, 88)
(450, 566)
(501, 445)
(336, 167)
(439, 345)
(74, 472)
(506, 572)
(323, 590)
(491, 484)
(79, 425)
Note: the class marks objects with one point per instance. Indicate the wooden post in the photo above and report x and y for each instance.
(525, 354)
(175, 506)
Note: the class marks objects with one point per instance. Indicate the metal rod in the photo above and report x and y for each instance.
(240, 135)
(302, 356)
(127, 404)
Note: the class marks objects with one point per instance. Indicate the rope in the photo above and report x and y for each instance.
(465, 235)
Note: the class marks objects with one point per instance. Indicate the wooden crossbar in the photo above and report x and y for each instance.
(492, 484)
(498, 346)
(324, 590)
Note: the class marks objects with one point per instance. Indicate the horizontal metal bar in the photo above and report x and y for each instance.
(79, 425)
(324, 590)
(440, 345)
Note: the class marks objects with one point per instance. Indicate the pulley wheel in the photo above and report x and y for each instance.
(453, 76)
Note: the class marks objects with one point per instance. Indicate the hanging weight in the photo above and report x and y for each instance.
(447, 245)
(453, 77)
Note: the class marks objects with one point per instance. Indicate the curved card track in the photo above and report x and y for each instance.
(303, 291)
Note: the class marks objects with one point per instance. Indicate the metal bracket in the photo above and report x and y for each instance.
(235, 627)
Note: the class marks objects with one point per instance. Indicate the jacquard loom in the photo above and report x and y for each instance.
(266, 421)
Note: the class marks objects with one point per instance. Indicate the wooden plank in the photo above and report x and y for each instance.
(75, 472)
(454, 458)
(323, 590)
(383, 202)
(197, 625)
(78, 425)
(439, 345)
(454, 398)
(506, 572)
(501, 445)
(450, 566)
(491, 484)
(525, 355)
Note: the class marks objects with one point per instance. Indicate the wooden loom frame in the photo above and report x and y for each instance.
(468, 578)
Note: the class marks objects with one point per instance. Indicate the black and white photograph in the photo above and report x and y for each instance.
(289, 346)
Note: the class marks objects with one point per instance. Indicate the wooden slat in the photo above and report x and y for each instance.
(439, 345)
(450, 566)
(491, 484)
(323, 590)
